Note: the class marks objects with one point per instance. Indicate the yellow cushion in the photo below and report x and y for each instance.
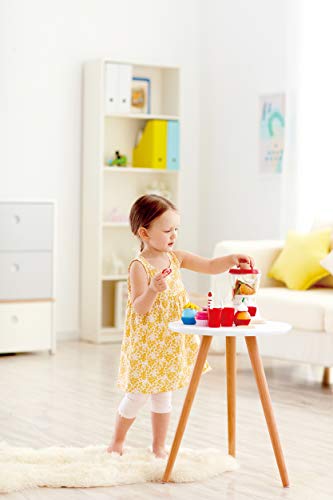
(298, 265)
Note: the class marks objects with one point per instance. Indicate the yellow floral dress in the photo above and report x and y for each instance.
(154, 359)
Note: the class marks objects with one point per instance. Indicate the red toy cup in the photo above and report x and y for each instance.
(214, 317)
(252, 310)
(227, 316)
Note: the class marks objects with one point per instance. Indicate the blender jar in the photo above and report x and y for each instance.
(245, 285)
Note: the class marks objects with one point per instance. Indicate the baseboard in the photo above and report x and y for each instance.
(72, 335)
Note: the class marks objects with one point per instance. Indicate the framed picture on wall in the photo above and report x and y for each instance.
(272, 133)
(140, 95)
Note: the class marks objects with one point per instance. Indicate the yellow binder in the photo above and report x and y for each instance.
(151, 151)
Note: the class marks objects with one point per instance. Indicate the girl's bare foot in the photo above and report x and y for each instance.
(116, 448)
(160, 452)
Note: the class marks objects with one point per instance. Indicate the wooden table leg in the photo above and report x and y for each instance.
(259, 373)
(192, 389)
(231, 393)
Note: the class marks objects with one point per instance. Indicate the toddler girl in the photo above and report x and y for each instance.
(154, 360)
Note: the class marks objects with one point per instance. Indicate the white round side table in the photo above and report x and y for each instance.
(250, 333)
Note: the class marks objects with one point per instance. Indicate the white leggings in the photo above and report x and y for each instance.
(132, 402)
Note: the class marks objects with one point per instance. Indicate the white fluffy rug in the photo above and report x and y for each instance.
(92, 466)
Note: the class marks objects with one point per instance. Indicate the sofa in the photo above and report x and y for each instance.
(309, 312)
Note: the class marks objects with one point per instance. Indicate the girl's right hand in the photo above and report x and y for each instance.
(158, 283)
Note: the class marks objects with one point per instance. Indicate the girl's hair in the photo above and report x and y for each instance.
(146, 209)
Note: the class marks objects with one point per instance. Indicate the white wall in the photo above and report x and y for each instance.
(43, 46)
(248, 48)
(238, 49)
(315, 105)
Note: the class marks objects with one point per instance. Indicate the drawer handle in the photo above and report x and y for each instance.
(14, 320)
(15, 268)
(17, 219)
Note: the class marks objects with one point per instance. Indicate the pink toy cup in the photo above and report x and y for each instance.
(214, 317)
(201, 318)
(227, 316)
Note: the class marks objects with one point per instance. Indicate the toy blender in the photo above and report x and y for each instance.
(245, 285)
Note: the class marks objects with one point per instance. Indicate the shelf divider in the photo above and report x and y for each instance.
(147, 170)
(114, 277)
(142, 116)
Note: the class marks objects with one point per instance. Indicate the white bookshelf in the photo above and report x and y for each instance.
(107, 245)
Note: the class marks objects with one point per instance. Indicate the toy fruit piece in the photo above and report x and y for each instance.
(191, 305)
(242, 318)
(245, 289)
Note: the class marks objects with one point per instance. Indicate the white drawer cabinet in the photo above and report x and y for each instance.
(27, 289)
(25, 275)
(25, 326)
(26, 226)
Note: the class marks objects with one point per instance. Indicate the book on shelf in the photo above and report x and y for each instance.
(158, 145)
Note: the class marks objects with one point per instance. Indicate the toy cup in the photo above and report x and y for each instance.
(201, 318)
(227, 316)
(252, 310)
(188, 316)
(214, 317)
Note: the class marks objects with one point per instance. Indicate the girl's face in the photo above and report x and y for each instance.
(162, 233)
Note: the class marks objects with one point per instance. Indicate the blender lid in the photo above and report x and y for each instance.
(235, 270)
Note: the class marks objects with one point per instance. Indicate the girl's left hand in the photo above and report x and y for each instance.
(242, 261)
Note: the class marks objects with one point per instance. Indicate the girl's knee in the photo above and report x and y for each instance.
(131, 404)
(161, 402)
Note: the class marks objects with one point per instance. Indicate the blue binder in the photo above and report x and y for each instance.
(173, 145)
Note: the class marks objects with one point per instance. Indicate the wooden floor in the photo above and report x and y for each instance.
(70, 399)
